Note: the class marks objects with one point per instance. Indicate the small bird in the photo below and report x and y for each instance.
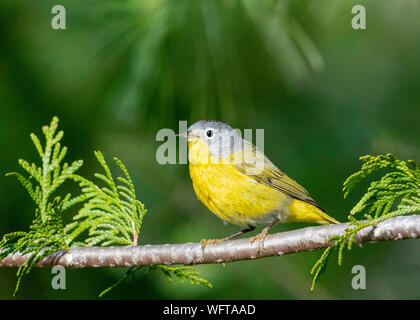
(239, 184)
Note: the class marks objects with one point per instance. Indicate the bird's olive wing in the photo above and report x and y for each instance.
(262, 170)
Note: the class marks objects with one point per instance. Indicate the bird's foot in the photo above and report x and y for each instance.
(205, 242)
(260, 238)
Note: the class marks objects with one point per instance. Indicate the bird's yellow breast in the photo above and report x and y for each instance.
(231, 195)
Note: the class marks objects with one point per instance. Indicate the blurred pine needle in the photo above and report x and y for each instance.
(198, 59)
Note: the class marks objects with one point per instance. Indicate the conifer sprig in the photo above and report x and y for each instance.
(46, 234)
(183, 273)
(112, 215)
(396, 193)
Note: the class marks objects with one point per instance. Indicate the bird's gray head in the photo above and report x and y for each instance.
(220, 137)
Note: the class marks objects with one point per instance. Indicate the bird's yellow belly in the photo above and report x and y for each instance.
(234, 197)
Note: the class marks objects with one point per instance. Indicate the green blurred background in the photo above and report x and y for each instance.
(123, 69)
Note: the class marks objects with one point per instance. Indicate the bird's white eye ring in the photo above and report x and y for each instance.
(209, 133)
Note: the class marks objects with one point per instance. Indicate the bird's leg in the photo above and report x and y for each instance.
(206, 242)
(263, 234)
(237, 234)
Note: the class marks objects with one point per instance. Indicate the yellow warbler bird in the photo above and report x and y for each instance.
(239, 184)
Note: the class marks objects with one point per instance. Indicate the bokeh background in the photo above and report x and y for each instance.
(123, 69)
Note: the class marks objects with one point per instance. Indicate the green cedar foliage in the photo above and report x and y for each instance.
(396, 193)
(181, 272)
(46, 234)
(112, 214)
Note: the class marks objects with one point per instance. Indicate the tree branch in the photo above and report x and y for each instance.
(305, 239)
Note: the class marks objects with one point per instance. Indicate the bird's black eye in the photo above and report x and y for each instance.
(209, 133)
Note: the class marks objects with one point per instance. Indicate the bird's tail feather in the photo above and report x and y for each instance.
(301, 211)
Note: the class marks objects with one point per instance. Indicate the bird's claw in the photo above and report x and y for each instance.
(205, 242)
(260, 238)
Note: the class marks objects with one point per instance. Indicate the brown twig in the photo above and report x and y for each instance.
(305, 239)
